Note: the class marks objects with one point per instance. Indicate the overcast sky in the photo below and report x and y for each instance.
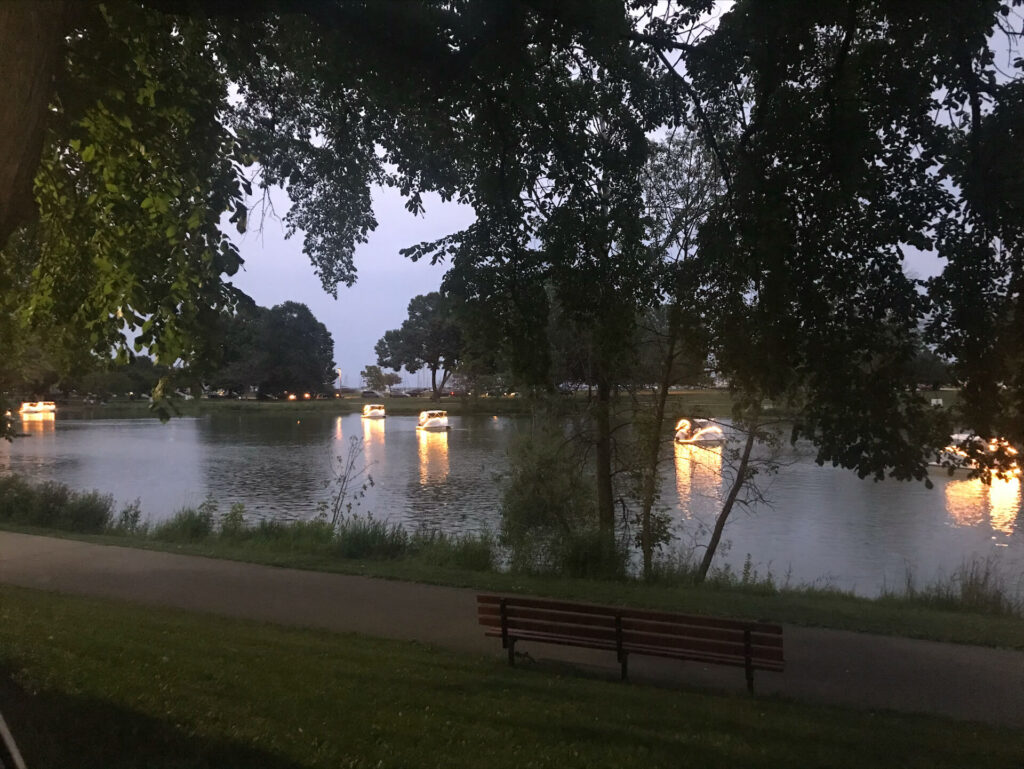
(277, 271)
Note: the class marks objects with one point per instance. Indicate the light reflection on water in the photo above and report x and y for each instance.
(433, 454)
(698, 472)
(821, 522)
(975, 503)
(38, 424)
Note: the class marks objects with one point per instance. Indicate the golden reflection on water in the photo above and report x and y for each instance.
(338, 434)
(969, 502)
(698, 471)
(433, 452)
(37, 424)
(373, 439)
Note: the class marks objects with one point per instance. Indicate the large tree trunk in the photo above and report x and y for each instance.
(31, 44)
(603, 454)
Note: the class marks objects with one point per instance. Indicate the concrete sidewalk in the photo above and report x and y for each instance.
(827, 666)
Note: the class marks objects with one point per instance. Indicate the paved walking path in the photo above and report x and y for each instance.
(829, 666)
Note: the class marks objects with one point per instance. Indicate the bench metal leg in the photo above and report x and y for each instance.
(749, 667)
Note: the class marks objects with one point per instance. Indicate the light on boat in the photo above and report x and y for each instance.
(38, 407)
(690, 432)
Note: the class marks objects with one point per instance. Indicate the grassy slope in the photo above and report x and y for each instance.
(816, 608)
(89, 683)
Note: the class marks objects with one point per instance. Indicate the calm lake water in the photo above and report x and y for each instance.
(818, 524)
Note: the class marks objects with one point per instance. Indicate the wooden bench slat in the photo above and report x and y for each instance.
(587, 643)
(701, 633)
(631, 613)
(575, 618)
(716, 659)
(725, 648)
(517, 627)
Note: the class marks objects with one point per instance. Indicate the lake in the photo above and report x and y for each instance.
(816, 524)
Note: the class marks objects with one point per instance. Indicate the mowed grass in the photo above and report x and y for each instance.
(88, 683)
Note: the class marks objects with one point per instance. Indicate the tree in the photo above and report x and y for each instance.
(298, 351)
(284, 348)
(428, 338)
(843, 133)
(379, 380)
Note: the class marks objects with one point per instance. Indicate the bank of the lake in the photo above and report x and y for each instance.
(822, 525)
(87, 682)
(896, 614)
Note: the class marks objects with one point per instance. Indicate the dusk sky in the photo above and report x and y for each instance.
(277, 271)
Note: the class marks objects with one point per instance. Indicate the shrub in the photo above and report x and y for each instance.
(190, 524)
(368, 537)
(129, 521)
(54, 505)
(547, 507)
(976, 586)
(294, 535)
(233, 525)
(472, 552)
(588, 554)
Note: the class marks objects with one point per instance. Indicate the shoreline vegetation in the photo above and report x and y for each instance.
(974, 605)
(711, 402)
(90, 682)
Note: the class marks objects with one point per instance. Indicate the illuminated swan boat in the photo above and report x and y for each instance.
(698, 431)
(433, 420)
(373, 411)
(38, 407)
(953, 456)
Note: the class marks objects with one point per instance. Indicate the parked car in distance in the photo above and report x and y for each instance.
(371, 394)
(397, 394)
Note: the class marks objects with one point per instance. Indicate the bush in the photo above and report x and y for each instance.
(472, 552)
(368, 537)
(233, 525)
(129, 522)
(55, 506)
(294, 535)
(547, 508)
(588, 554)
(976, 586)
(190, 524)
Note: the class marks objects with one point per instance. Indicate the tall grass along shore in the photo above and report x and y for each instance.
(975, 604)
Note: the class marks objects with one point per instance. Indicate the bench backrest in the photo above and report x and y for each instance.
(711, 639)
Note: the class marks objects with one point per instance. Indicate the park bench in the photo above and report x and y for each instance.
(747, 644)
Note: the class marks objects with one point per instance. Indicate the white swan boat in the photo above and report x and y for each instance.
(433, 420)
(38, 407)
(698, 431)
(373, 411)
(955, 461)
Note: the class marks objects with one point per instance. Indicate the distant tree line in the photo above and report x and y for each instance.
(256, 350)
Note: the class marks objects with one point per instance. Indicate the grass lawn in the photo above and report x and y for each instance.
(87, 683)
